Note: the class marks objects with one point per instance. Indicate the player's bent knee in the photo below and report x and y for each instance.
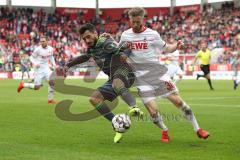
(117, 83)
(37, 87)
(95, 100)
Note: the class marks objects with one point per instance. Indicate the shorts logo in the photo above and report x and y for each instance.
(169, 86)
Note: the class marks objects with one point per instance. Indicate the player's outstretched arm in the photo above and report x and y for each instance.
(169, 48)
(77, 60)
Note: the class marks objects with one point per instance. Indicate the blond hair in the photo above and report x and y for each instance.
(137, 11)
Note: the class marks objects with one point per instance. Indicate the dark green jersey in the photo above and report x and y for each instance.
(106, 54)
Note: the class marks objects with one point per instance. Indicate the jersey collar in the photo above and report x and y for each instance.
(143, 29)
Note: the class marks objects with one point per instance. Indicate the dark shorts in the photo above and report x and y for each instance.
(205, 69)
(24, 69)
(107, 90)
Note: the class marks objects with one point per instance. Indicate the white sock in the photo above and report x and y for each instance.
(159, 122)
(29, 85)
(50, 93)
(188, 114)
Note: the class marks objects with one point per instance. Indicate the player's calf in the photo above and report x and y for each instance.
(27, 85)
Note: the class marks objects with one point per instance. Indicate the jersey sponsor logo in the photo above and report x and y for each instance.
(137, 45)
(46, 57)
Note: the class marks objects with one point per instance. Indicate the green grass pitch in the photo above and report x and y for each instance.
(30, 130)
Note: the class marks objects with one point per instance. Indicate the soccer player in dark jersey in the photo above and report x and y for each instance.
(108, 57)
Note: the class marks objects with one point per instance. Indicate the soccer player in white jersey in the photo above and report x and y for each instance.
(174, 70)
(152, 79)
(44, 65)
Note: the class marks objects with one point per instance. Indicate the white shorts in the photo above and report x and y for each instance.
(174, 69)
(161, 86)
(41, 75)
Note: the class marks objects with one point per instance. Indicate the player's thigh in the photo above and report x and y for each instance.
(147, 93)
(172, 69)
(205, 69)
(122, 76)
(166, 87)
(179, 71)
(107, 91)
(49, 76)
(38, 78)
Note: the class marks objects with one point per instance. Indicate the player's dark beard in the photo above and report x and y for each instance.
(90, 44)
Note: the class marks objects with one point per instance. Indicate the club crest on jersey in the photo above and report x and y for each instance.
(137, 45)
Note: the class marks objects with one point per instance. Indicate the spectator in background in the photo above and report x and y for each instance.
(25, 65)
(21, 28)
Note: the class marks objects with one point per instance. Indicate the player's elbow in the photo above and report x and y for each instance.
(170, 48)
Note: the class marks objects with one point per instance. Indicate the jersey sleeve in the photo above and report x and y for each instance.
(122, 38)
(158, 41)
(124, 49)
(78, 60)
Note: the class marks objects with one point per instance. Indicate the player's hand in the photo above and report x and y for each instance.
(65, 70)
(123, 58)
(180, 44)
(107, 35)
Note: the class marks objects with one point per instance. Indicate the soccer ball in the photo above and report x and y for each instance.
(121, 122)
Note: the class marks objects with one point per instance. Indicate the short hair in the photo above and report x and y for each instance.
(45, 37)
(137, 11)
(87, 26)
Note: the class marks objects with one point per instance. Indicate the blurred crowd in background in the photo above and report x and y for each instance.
(20, 30)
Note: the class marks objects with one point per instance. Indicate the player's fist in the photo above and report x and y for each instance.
(107, 35)
(180, 44)
(123, 58)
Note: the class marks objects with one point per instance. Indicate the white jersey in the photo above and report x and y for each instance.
(174, 57)
(42, 56)
(144, 45)
(151, 77)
